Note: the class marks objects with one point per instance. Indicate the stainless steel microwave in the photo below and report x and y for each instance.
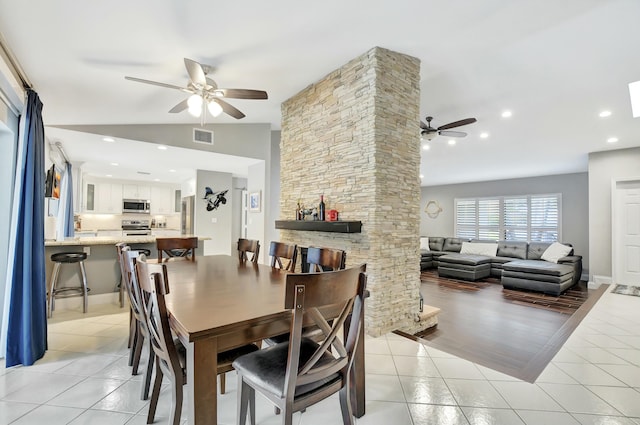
(136, 206)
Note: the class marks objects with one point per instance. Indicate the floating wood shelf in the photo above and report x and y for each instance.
(321, 226)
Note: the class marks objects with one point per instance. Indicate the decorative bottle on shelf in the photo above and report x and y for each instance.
(298, 212)
(321, 209)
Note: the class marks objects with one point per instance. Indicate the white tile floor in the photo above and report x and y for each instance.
(595, 379)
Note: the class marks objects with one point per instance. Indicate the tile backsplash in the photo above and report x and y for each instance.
(114, 221)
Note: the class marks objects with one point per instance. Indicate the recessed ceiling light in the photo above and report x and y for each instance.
(421, 176)
(163, 147)
(484, 135)
(451, 142)
(634, 92)
(604, 114)
(172, 171)
(109, 175)
(156, 180)
(115, 164)
(426, 147)
(612, 140)
(108, 139)
(506, 114)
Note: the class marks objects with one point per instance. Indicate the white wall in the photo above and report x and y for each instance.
(604, 168)
(216, 224)
(573, 187)
(273, 203)
(256, 221)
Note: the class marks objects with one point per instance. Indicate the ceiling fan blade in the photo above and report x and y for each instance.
(180, 107)
(229, 109)
(457, 123)
(155, 83)
(423, 125)
(242, 93)
(196, 73)
(452, 133)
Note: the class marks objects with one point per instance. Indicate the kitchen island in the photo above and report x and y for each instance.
(103, 270)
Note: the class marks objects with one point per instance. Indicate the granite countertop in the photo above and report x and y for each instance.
(109, 240)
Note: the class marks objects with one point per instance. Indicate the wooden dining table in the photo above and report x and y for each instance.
(217, 303)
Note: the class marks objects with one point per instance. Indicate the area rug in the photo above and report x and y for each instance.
(626, 290)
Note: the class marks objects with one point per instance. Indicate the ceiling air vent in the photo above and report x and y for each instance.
(203, 136)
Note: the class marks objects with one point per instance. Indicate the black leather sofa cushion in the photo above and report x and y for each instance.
(536, 249)
(436, 243)
(512, 249)
(537, 267)
(453, 244)
(465, 259)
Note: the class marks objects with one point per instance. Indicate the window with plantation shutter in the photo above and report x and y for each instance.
(489, 219)
(534, 218)
(466, 218)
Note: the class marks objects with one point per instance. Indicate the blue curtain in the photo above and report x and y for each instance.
(27, 320)
(68, 219)
(65, 207)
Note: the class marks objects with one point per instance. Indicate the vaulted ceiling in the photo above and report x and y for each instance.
(555, 65)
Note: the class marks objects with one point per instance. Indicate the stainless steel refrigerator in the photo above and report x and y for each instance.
(187, 223)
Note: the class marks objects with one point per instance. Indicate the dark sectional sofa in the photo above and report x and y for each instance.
(518, 264)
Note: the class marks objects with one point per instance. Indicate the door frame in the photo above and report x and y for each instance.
(614, 213)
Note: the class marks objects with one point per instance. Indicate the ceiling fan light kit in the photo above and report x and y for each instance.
(205, 93)
(429, 133)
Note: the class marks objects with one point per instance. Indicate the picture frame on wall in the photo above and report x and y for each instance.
(255, 201)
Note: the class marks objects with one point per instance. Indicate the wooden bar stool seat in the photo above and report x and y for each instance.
(67, 291)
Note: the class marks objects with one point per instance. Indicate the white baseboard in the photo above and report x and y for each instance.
(599, 280)
(69, 303)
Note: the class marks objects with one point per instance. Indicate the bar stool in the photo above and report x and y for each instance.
(67, 258)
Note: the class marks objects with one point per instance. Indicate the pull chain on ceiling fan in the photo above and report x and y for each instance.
(430, 133)
(205, 94)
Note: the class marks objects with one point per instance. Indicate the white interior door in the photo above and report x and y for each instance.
(626, 224)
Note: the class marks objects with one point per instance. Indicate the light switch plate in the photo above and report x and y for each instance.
(87, 250)
(214, 220)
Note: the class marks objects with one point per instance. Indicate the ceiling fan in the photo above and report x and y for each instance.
(205, 94)
(430, 133)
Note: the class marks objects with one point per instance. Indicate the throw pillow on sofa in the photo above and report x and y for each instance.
(479, 248)
(424, 243)
(555, 252)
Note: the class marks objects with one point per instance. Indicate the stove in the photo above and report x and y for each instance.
(136, 227)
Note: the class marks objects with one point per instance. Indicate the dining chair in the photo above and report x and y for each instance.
(279, 251)
(246, 246)
(298, 373)
(171, 354)
(177, 248)
(141, 333)
(122, 288)
(325, 259)
(319, 260)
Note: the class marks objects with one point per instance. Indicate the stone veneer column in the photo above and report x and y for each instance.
(353, 136)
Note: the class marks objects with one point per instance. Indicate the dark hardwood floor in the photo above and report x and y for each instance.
(513, 332)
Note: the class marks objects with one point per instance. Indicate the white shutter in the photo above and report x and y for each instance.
(489, 219)
(466, 218)
(545, 213)
(516, 219)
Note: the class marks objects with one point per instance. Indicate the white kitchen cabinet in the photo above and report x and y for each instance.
(161, 200)
(136, 191)
(101, 197)
(89, 196)
(108, 198)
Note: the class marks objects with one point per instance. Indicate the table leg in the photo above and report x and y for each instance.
(201, 388)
